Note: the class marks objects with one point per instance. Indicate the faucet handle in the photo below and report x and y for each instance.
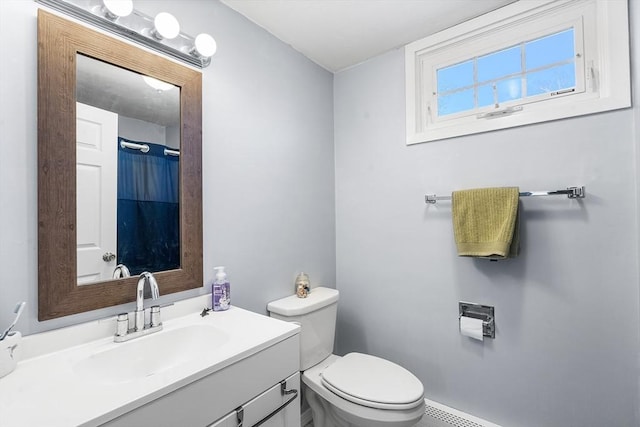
(122, 324)
(155, 316)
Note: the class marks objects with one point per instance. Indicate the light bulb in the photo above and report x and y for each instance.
(166, 26)
(158, 85)
(114, 9)
(205, 45)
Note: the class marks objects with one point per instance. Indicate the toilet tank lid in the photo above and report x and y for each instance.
(293, 306)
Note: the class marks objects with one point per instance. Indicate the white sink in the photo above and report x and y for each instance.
(146, 356)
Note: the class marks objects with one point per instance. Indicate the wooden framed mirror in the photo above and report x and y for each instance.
(60, 42)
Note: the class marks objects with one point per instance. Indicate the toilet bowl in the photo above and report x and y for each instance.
(385, 405)
(356, 390)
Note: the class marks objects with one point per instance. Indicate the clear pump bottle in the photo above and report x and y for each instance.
(221, 291)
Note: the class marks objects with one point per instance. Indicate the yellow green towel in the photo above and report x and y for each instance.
(485, 222)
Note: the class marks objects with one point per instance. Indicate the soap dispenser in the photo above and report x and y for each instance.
(221, 291)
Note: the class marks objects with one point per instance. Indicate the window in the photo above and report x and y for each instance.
(521, 73)
(525, 63)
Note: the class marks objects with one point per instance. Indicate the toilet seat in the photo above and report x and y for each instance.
(373, 382)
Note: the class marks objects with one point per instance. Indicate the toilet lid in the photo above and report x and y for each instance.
(371, 381)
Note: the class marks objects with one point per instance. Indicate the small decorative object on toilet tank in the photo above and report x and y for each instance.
(221, 291)
(302, 285)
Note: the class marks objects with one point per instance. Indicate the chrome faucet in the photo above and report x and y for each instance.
(123, 333)
(120, 271)
(145, 277)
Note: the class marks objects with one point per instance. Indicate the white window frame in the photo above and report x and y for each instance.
(603, 80)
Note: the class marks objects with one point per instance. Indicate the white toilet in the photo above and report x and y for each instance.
(356, 390)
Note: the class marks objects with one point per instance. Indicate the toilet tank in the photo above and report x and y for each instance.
(316, 315)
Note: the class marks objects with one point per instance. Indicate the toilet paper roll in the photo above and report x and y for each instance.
(471, 327)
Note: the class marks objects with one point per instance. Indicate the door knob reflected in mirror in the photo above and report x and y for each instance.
(108, 256)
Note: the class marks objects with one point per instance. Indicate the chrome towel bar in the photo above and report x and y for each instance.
(571, 192)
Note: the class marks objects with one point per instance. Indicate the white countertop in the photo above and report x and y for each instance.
(44, 390)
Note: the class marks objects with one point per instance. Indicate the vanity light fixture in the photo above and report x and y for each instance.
(160, 33)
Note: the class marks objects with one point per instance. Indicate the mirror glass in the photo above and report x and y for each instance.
(127, 157)
(74, 63)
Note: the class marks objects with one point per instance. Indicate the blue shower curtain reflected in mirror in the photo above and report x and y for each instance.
(148, 209)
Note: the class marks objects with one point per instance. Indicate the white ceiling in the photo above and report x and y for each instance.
(337, 34)
(121, 91)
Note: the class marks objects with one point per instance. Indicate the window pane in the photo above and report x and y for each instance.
(499, 64)
(455, 102)
(485, 95)
(455, 76)
(551, 79)
(506, 90)
(509, 89)
(550, 49)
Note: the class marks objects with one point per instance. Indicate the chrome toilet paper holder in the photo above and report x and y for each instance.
(479, 311)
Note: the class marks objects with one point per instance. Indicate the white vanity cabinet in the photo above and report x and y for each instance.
(253, 383)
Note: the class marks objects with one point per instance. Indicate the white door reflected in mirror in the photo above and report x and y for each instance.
(96, 163)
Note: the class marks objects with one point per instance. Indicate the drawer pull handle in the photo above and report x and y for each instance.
(283, 388)
(284, 391)
(240, 415)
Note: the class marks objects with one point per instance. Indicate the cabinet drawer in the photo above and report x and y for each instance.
(264, 405)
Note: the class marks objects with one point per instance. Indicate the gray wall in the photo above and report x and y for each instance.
(268, 161)
(139, 130)
(566, 350)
